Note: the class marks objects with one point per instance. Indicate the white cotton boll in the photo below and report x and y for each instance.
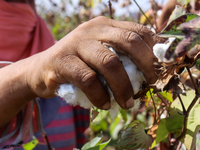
(136, 77)
(136, 105)
(160, 49)
(114, 109)
(75, 96)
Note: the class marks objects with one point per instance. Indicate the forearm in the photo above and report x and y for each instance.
(15, 92)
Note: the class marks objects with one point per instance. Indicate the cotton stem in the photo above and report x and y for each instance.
(143, 13)
(110, 9)
(155, 117)
(192, 79)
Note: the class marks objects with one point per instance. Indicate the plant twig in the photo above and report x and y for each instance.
(184, 129)
(143, 13)
(192, 79)
(192, 104)
(155, 117)
(183, 107)
(110, 9)
(46, 140)
(162, 99)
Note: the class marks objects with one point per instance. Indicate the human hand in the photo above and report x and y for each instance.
(76, 58)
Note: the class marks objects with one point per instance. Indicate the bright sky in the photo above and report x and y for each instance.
(144, 4)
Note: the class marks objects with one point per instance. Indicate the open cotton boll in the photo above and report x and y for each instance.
(136, 77)
(160, 49)
(75, 96)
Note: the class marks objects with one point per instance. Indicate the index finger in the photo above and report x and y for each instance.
(146, 34)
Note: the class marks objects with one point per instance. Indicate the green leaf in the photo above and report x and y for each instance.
(172, 124)
(161, 133)
(166, 95)
(178, 11)
(186, 28)
(198, 64)
(134, 136)
(193, 120)
(124, 115)
(102, 114)
(31, 145)
(193, 145)
(176, 105)
(191, 30)
(114, 124)
(183, 2)
(94, 142)
(100, 122)
(99, 125)
(192, 125)
(172, 28)
(100, 146)
(149, 93)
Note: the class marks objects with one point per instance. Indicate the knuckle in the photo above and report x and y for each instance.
(84, 26)
(100, 19)
(110, 61)
(87, 26)
(88, 79)
(131, 37)
(94, 21)
(144, 29)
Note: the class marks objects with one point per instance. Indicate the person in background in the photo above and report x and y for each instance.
(23, 33)
(192, 7)
(28, 85)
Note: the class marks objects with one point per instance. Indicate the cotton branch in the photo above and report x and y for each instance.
(154, 105)
(184, 129)
(143, 13)
(110, 9)
(195, 86)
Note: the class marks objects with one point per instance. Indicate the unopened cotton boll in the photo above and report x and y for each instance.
(160, 49)
(75, 96)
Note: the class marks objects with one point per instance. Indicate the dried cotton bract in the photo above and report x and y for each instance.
(75, 96)
(167, 69)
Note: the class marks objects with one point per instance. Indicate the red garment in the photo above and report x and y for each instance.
(23, 32)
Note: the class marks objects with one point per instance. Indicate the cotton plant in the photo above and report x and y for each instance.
(180, 51)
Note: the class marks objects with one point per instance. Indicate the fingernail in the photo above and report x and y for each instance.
(106, 106)
(129, 103)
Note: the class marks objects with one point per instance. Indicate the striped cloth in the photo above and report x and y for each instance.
(64, 127)
(63, 124)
